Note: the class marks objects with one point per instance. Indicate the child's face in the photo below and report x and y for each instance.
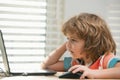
(75, 46)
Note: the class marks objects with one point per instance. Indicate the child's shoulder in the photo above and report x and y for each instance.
(105, 61)
(109, 60)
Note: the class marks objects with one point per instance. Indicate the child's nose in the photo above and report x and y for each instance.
(68, 45)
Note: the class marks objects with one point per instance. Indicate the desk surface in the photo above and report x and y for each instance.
(31, 78)
(43, 78)
(54, 77)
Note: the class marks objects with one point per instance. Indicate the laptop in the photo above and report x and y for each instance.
(8, 72)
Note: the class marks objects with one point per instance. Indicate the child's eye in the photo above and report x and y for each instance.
(72, 40)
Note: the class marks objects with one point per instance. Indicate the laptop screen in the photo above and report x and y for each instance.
(23, 70)
(4, 55)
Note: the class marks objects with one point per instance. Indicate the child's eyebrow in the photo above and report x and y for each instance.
(74, 37)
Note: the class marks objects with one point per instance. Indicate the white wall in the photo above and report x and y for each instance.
(73, 7)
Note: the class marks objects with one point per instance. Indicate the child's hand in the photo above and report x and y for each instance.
(87, 73)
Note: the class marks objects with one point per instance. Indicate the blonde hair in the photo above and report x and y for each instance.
(94, 31)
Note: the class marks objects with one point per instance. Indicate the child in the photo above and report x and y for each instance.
(91, 46)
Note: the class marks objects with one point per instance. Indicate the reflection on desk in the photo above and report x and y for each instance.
(54, 77)
(30, 78)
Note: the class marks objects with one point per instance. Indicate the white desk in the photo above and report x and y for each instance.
(54, 77)
(31, 78)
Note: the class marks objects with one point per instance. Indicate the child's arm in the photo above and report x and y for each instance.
(52, 61)
(110, 73)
